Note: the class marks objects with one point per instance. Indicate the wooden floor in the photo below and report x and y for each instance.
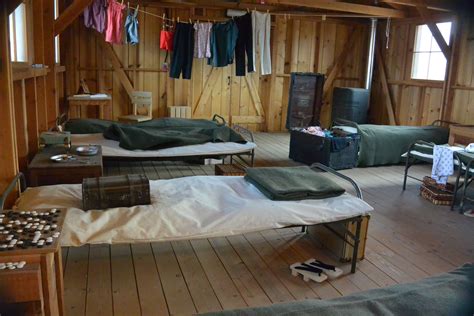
(409, 239)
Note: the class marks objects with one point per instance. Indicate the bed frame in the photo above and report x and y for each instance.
(245, 159)
(352, 239)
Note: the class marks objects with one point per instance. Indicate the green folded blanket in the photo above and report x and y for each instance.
(159, 133)
(292, 183)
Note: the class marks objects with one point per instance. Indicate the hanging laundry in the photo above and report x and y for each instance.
(114, 30)
(261, 33)
(166, 40)
(443, 164)
(183, 49)
(131, 27)
(202, 40)
(223, 41)
(95, 15)
(244, 45)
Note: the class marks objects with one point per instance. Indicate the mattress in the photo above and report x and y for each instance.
(186, 208)
(111, 148)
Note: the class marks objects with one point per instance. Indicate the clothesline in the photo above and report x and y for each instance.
(285, 14)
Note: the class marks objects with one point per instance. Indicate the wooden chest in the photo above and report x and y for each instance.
(342, 250)
(43, 171)
(118, 191)
(229, 170)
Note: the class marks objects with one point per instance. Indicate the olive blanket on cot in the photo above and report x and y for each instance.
(447, 294)
(385, 144)
(292, 183)
(158, 133)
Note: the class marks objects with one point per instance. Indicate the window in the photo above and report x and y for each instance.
(429, 62)
(18, 39)
(56, 38)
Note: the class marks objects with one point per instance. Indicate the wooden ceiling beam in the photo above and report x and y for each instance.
(343, 7)
(431, 5)
(69, 15)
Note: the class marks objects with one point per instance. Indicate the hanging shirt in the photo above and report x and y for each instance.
(223, 41)
(166, 40)
(131, 27)
(261, 34)
(202, 40)
(114, 30)
(95, 15)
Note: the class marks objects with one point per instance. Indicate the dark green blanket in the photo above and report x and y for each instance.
(448, 294)
(384, 144)
(157, 134)
(292, 183)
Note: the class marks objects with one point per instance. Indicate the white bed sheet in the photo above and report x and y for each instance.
(186, 208)
(111, 148)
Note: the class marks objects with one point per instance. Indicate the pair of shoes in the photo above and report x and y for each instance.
(315, 270)
(469, 213)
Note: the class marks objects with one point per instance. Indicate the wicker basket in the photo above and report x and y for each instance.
(436, 196)
(229, 170)
(431, 183)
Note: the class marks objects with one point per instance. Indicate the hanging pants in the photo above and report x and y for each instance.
(244, 45)
(261, 33)
(183, 49)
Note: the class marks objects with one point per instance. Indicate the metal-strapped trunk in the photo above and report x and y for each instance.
(117, 191)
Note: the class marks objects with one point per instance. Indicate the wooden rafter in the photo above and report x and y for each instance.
(425, 14)
(69, 15)
(341, 6)
(12, 4)
(432, 5)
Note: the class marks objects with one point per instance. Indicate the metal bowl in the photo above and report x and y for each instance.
(87, 150)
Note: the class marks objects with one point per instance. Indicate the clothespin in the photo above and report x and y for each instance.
(323, 18)
(248, 11)
(178, 19)
(137, 7)
(128, 4)
(190, 22)
(122, 2)
(268, 11)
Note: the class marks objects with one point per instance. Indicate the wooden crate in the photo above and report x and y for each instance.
(229, 170)
(342, 250)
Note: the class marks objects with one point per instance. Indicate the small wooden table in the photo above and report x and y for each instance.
(78, 106)
(43, 171)
(461, 134)
(49, 259)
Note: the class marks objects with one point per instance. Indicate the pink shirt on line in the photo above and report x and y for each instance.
(114, 29)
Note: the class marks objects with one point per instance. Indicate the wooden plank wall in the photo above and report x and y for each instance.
(30, 96)
(255, 101)
(419, 102)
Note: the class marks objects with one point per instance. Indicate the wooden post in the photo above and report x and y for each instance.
(49, 59)
(8, 157)
(19, 99)
(385, 88)
(452, 65)
(39, 59)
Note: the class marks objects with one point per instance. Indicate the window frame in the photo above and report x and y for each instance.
(411, 49)
(29, 37)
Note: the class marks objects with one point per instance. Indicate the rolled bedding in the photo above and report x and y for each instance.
(292, 183)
